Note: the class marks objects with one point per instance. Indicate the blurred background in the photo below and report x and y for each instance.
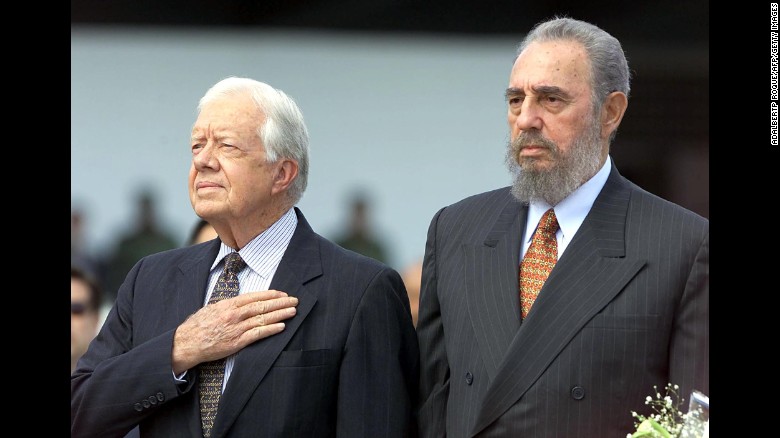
(403, 101)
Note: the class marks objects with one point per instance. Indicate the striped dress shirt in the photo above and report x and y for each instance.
(262, 256)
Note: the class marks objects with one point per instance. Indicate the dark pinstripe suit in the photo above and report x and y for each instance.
(625, 308)
(346, 365)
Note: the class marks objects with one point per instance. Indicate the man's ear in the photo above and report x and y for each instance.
(286, 172)
(612, 112)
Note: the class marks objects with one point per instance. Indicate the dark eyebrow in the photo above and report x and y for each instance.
(545, 90)
(512, 91)
(542, 90)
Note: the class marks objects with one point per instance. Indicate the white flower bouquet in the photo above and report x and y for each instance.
(668, 421)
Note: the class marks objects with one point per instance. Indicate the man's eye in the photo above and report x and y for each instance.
(515, 101)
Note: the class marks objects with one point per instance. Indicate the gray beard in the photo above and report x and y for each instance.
(568, 172)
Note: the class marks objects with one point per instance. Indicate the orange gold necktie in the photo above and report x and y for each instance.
(538, 261)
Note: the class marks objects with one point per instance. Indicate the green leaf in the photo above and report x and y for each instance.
(660, 429)
(651, 429)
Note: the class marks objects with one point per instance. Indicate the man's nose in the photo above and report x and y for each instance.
(530, 116)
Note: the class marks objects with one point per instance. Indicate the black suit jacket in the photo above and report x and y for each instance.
(346, 364)
(624, 308)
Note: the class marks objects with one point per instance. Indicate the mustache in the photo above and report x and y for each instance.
(533, 138)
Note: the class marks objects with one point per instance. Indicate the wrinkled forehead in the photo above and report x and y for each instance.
(561, 63)
(232, 113)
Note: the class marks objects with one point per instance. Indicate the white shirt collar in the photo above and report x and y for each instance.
(263, 253)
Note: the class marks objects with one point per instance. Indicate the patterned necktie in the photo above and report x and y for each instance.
(213, 373)
(538, 261)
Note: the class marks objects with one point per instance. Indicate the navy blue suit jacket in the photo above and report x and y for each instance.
(346, 364)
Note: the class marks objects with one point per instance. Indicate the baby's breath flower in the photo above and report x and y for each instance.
(666, 419)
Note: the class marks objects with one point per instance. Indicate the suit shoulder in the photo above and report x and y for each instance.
(177, 254)
(480, 202)
(346, 259)
(652, 199)
(355, 275)
(160, 263)
(649, 205)
(468, 220)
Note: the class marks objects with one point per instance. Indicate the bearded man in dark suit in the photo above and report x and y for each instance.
(563, 330)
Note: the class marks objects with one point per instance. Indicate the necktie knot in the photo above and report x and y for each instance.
(548, 223)
(234, 263)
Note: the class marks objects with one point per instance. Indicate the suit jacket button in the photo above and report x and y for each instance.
(138, 407)
(469, 378)
(153, 400)
(578, 393)
(160, 396)
(145, 403)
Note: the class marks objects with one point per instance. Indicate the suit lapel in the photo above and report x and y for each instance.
(491, 284)
(194, 278)
(586, 278)
(301, 263)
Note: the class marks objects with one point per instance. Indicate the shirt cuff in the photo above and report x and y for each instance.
(181, 378)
